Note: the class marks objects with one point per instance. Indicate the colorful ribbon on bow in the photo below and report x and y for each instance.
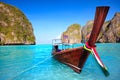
(92, 49)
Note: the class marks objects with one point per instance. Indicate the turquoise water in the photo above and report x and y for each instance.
(35, 62)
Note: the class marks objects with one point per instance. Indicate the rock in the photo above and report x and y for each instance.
(72, 34)
(15, 28)
(110, 32)
(86, 30)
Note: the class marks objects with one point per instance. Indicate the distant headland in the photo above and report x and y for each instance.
(15, 28)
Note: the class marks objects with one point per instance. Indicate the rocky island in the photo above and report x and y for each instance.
(15, 28)
(72, 34)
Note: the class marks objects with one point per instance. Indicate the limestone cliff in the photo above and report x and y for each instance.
(72, 34)
(15, 28)
(110, 31)
(86, 30)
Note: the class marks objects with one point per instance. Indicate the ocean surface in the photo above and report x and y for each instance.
(35, 62)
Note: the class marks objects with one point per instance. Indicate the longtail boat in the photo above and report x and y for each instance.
(76, 57)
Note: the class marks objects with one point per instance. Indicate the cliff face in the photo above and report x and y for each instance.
(110, 31)
(15, 28)
(72, 34)
(86, 30)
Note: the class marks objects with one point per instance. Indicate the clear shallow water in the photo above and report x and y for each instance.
(35, 62)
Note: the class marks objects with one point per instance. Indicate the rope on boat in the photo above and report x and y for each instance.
(35, 65)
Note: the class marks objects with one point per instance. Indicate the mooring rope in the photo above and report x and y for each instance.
(31, 67)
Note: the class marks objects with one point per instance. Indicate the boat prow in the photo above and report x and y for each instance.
(72, 57)
(76, 57)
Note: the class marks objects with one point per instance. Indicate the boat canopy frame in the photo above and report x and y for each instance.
(58, 42)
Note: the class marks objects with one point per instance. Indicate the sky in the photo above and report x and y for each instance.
(50, 18)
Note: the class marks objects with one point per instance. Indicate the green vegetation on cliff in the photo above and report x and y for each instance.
(15, 28)
(74, 34)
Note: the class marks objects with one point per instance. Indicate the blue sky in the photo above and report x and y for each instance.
(50, 18)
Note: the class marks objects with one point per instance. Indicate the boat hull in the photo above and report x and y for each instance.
(74, 58)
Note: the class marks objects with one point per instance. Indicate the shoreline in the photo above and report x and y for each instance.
(46, 44)
(16, 44)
